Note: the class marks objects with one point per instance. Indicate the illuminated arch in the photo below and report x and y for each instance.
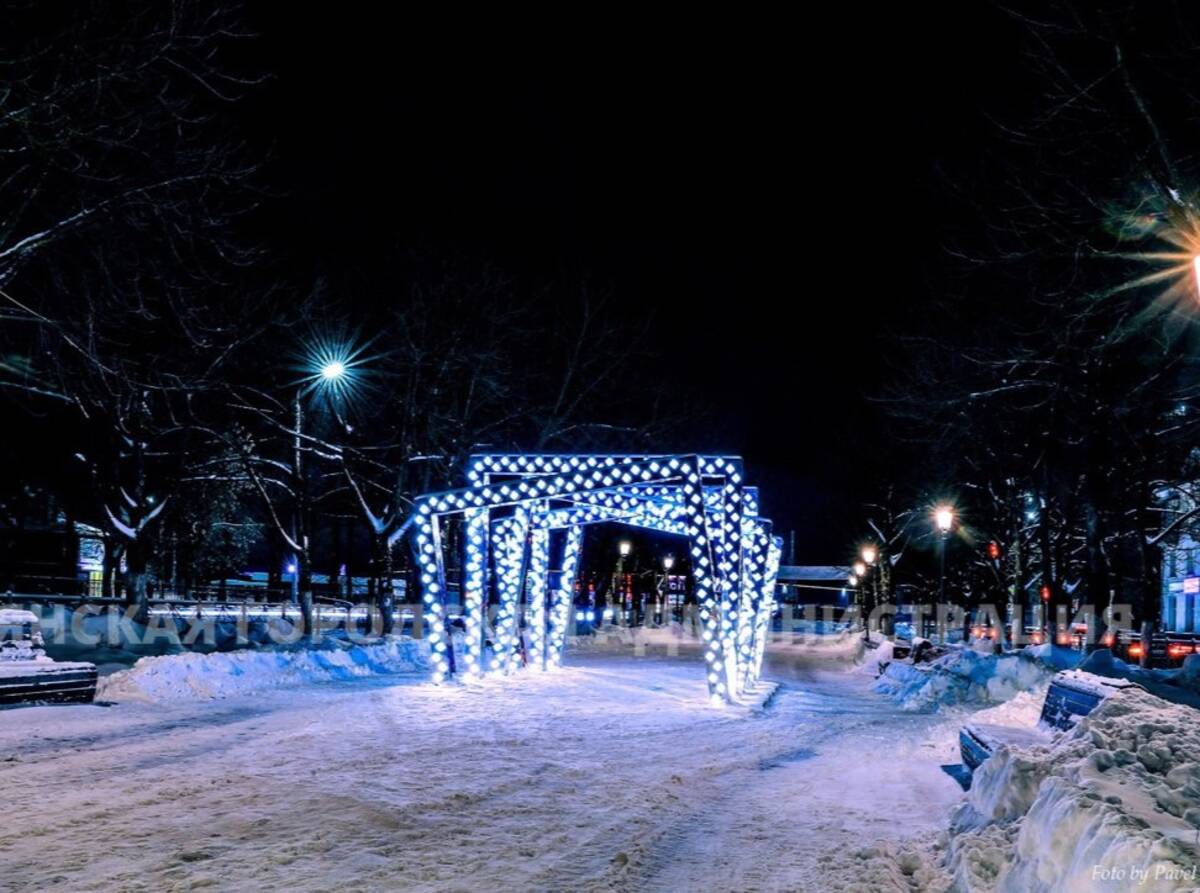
(517, 506)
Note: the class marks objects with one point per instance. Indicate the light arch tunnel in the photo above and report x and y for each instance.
(519, 510)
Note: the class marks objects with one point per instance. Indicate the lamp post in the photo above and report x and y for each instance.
(668, 562)
(870, 554)
(624, 547)
(943, 519)
(329, 375)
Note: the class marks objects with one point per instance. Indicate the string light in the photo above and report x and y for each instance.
(734, 558)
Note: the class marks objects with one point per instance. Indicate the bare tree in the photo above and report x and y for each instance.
(118, 252)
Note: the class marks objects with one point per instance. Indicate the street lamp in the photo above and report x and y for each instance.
(860, 569)
(1196, 268)
(327, 368)
(869, 553)
(624, 547)
(664, 598)
(852, 580)
(943, 518)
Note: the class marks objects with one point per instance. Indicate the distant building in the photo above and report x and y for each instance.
(1180, 560)
(1181, 585)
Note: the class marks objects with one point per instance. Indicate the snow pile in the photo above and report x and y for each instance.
(1180, 686)
(193, 676)
(815, 627)
(885, 867)
(838, 645)
(876, 660)
(1113, 804)
(1054, 656)
(1023, 710)
(963, 676)
(666, 638)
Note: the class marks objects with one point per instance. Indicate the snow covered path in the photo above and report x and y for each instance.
(613, 774)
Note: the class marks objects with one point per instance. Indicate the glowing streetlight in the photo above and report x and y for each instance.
(869, 553)
(852, 580)
(624, 547)
(668, 562)
(333, 366)
(859, 568)
(329, 369)
(1196, 269)
(943, 518)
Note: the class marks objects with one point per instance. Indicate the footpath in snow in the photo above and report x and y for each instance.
(615, 773)
(341, 767)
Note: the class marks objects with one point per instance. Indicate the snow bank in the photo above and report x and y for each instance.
(1113, 804)
(668, 637)
(16, 617)
(876, 660)
(194, 676)
(838, 645)
(1023, 710)
(1055, 656)
(1180, 686)
(963, 676)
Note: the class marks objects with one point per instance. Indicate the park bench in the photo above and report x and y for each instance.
(27, 676)
(1072, 695)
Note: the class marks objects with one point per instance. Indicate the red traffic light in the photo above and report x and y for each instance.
(993, 550)
(1045, 590)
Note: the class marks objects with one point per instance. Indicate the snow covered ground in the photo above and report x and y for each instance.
(613, 774)
(343, 769)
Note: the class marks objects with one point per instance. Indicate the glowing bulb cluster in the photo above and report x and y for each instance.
(734, 559)
(564, 596)
(510, 537)
(475, 579)
(535, 602)
(428, 547)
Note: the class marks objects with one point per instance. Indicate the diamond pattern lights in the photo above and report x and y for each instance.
(522, 514)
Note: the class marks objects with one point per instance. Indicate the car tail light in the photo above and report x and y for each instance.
(1179, 650)
(1135, 649)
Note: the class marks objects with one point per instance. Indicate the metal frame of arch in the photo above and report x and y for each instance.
(519, 509)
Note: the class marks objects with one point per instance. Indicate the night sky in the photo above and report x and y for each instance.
(778, 191)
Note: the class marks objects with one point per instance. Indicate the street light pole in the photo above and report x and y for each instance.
(297, 516)
(623, 549)
(330, 375)
(869, 556)
(943, 517)
(665, 597)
